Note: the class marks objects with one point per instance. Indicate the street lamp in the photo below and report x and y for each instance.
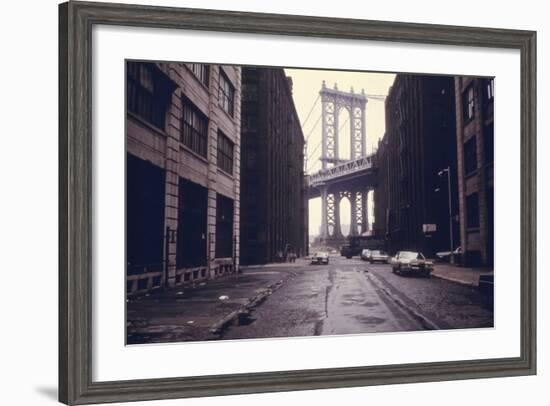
(441, 173)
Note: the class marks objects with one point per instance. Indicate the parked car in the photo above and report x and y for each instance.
(319, 258)
(446, 255)
(365, 254)
(378, 256)
(346, 251)
(411, 262)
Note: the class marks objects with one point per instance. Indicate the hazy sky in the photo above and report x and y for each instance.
(306, 87)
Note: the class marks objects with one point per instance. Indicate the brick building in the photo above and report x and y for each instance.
(475, 149)
(273, 200)
(419, 142)
(182, 172)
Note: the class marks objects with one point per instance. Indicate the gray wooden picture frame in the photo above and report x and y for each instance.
(76, 20)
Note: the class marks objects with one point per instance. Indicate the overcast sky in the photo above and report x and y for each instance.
(306, 86)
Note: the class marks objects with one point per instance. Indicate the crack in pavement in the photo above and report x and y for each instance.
(330, 286)
(218, 328)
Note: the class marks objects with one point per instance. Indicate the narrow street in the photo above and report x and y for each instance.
(351, 296)
(348, 296)
(190, 227)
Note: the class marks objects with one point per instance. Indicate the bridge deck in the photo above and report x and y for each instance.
(361, 169)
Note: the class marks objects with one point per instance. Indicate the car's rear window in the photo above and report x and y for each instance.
(407, 255)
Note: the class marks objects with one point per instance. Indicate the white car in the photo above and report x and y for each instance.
(411, 262)
(319, 258)
(365, 254)
(378, 256)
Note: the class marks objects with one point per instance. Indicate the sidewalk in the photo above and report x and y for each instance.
(300, 262)
(201, 312)
(463, 275)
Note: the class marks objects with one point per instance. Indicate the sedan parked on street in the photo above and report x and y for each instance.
(411, 262)
(378, 256)
(365, 254)
(319, 258)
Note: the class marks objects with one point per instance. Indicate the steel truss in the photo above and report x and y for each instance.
(334, 168)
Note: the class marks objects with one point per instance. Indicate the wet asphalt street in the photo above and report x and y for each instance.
(351, 296)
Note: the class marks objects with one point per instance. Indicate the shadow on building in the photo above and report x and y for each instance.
(434, 123)
(182, 173)
(273, 194)
(411, 198)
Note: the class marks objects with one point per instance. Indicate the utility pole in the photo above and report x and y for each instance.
(440, 173)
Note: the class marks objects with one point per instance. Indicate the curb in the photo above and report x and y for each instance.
(218, 327)
(426, 322)
(272, 265)
(455, 280)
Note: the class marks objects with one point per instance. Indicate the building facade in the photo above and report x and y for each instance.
(273, 200)
(475, 149)
(182, 173)
(411, 203)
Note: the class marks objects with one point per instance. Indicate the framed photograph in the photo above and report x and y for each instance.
(259, 202)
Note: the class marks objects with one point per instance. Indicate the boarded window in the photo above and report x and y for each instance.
(144, 215)
(192, 222)
(224, 227)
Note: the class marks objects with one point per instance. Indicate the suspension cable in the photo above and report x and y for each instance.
(313, 128)
(314, 150)
(311, 110)
(319, 143)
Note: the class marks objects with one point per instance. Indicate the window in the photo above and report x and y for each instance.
(226, 94)
(252, 233)
(201, 71)
(249, 122)
(401, 110)
(144, 95)
(468, 103)
(224, 227)
(489, 143)
(490, 89)
(194, 128)
(251, 160)
(472, 211)
(225, 153)
(250, 92)
(470, 155)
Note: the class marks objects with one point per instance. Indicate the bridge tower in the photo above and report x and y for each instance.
(332, 101)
